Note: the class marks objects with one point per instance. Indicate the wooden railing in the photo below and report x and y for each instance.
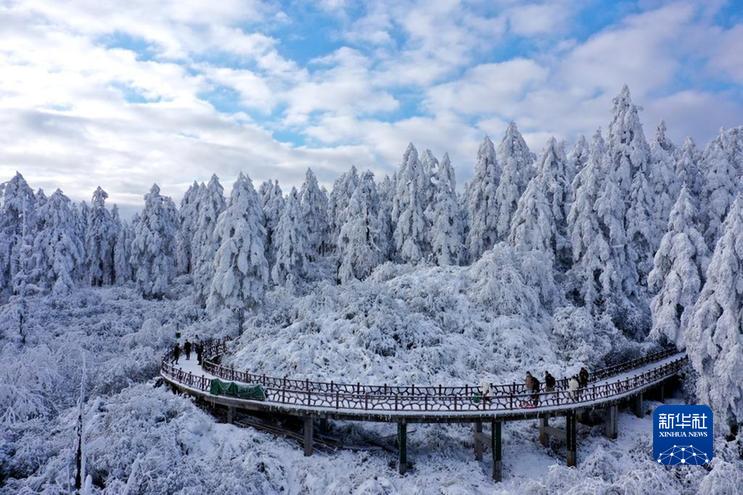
(313, 394)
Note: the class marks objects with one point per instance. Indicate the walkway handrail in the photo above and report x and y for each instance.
(215, 349)
(328, 395)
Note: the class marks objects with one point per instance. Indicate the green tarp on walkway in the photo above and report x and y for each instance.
(232, 389)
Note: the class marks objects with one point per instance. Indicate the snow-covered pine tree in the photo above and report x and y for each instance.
(429, 166)
(678, 272)
(577, 160)
(641, 227)
(409, 235)
(187, 218)
(721, 184)
(626, 145)
(16, 219)
(205, 244)
(314, 210)
(516, 161)
(343, 188)
(687, 169)
(386, 192)
(153, 244)
(272, 200)
(240, 266)
(100, 239)
(41, 198)
(58, 250)
(447, 230)
(122, 265)
(714, 338)
(482, 213)
(662, 176)
(360, 238)
(555, 181)
(533, 224)
(293, 243)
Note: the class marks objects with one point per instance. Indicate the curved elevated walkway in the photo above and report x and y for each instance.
(429, 404)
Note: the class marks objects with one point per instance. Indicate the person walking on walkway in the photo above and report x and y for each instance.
(187, 349)
(535, 391)
(176, 353)
(582, 379)
(573, 388)
(199, 352)
(549, 382)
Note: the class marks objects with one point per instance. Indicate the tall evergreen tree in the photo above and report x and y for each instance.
(122, 253)
(340, 196)
(187, 218)
(409, 235)
(662, 176)
(314, 210)
(721, 183)
(293, 244)
(205, 243)
(272, 199)
(447, 231)
(687, 168)
(100, 239)
(714, 338)
(240, 266)
(678, 272)
(16, 222)
(153, 244)
(360, 243)
(516, 162)
(482, 213)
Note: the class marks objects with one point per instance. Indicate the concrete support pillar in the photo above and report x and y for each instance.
(570, 436)
(610, 427)
(307, 430)
(402, 446)
(496, 446)
(544, 437)
(662, 392)
(230, 414)
(638, 406)
(478, 440)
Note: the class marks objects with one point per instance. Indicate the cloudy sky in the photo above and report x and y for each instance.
(123, 94)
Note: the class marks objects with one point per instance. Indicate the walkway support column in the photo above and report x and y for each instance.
(610, 425)
(478, 440)
(570, 436)
(307, 430)
(496, 445)
(230, 414)
(544, 423)
(402, 446)
(637, 405)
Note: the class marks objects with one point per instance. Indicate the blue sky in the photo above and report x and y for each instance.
(121, 95)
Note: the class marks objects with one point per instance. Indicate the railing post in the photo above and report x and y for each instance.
(337, 399)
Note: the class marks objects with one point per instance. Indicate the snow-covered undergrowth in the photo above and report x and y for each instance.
(139, 438)
(492, 320)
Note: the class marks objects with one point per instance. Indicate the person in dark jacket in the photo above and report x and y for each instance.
(199, 352)
(187, 349)
(535, 391)
(176, 353)
(549, 382)
(583, 377)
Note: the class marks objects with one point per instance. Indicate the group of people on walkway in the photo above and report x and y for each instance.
(576, 384)
(196, 346)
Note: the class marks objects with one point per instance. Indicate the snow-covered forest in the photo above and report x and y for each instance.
(574, 254)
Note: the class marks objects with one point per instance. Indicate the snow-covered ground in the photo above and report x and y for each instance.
(139, 438)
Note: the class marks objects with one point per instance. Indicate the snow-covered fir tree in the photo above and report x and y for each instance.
(678, 272)
(272, 200)
(16, 221)
(533, 224)
(447, 229)
(122, 253)
(626, 145)
(204, 243)
(100, 239)
(293, 243)
(516, 161)
(314, 210)
(58, 250)
(429, 166)
(687, 168)
(662, 176)
(360, 241)
(641, 226)
(409, 235)
(555, 182)
(340, 196)
(153, 245)
(482, 213)
(721, 184)
(386, 192)
(240, 266)
(187, 217)
(577, 159)
(714, 338)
